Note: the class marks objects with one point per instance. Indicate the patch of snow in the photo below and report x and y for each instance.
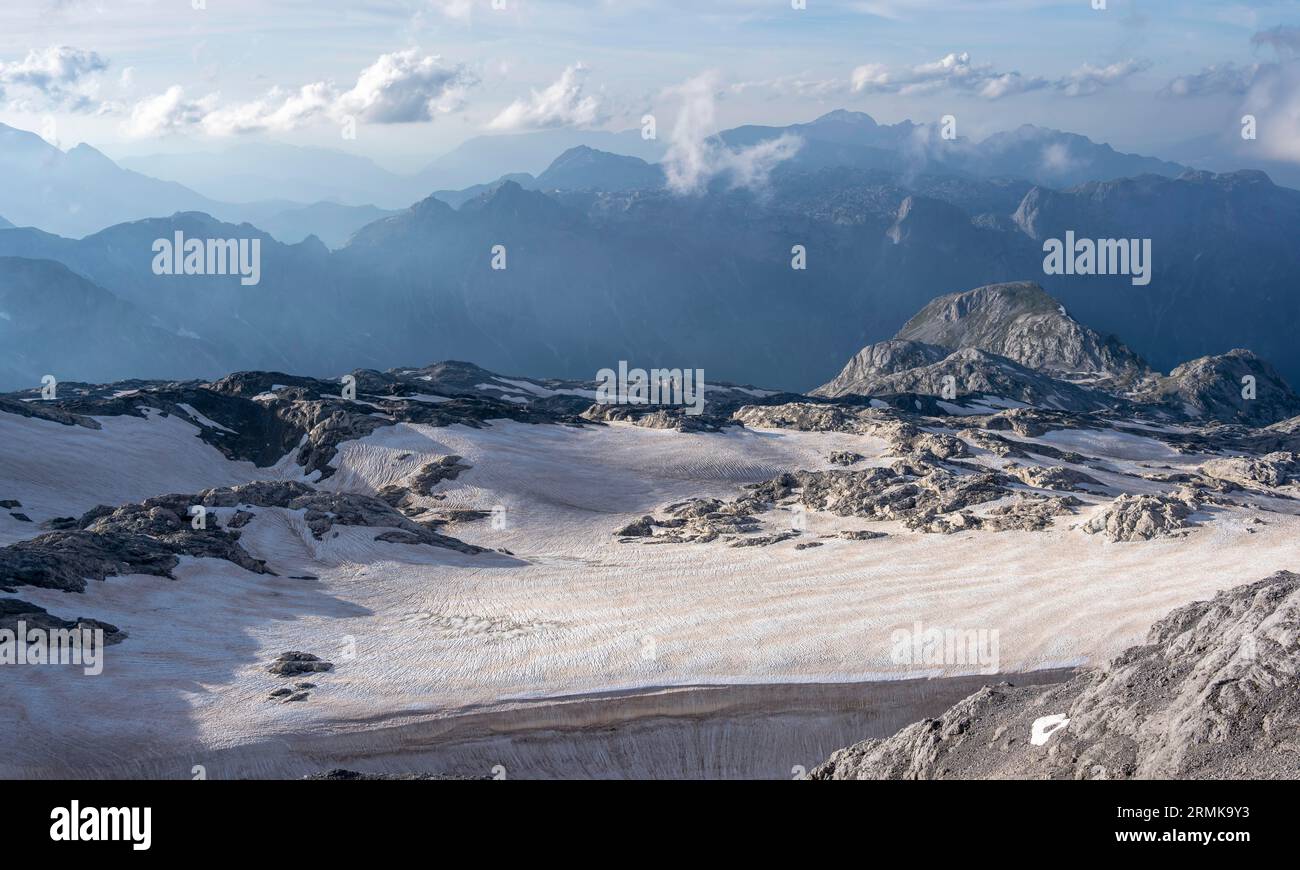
(202, 420)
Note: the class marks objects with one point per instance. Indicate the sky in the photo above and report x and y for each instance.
(402, 81)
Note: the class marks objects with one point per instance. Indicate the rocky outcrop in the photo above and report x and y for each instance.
(1141, 518)
(65, 560)
(1235, 387)
(1270, 470)
(14, 611)
(1211, 694)
(295, 663)
(864, 372)
(657, 417)
(912, 492)
(149, 537)
(698, 521)
(971, 373)
(339, 774)
(322, 511)
(1053, 477)
(811, 417)
(260, 417)
(431, 474)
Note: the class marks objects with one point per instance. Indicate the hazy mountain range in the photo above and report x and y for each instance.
(81, 190)
(604, 263)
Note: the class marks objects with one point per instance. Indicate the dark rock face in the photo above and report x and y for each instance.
(259, 493)
(698, 521)
(262, 416)
(148, 538)
(14, 611)
(657, 417)
(324, 510)
(295, 663)
(144, 538)
(338, 774)
(46, 411)
(434, 473)
(1211, 694)
(65, 560)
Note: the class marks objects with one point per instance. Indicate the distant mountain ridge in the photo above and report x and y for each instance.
(1041, 155)
(53, 321)
(82, 191)
(706, 280)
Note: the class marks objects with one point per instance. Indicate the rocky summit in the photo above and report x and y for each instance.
(1014, 342)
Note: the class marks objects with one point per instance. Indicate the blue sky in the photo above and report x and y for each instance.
(417, 77)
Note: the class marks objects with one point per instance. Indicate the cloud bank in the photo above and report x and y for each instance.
(561, 104)
(58, 77)
(398, 88)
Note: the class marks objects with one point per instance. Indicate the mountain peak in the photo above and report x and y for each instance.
(585, 168)
(846, 116)
(1022, 322)
(509, 200)
(86, 154)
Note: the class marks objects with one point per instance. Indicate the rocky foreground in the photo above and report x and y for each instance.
(1211, 694)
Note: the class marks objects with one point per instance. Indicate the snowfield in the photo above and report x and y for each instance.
(423, 638)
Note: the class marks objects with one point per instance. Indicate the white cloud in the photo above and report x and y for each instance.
(403, 87)
(56, 77)
(400, 87)
(1274, 99)
(561, 104)
(1225, 78)
(1057, 159)
(168, 112)
(457, 10)
(279, 110)
(695, 157)
(1089, 79)
(795, 86)
(954, 70)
